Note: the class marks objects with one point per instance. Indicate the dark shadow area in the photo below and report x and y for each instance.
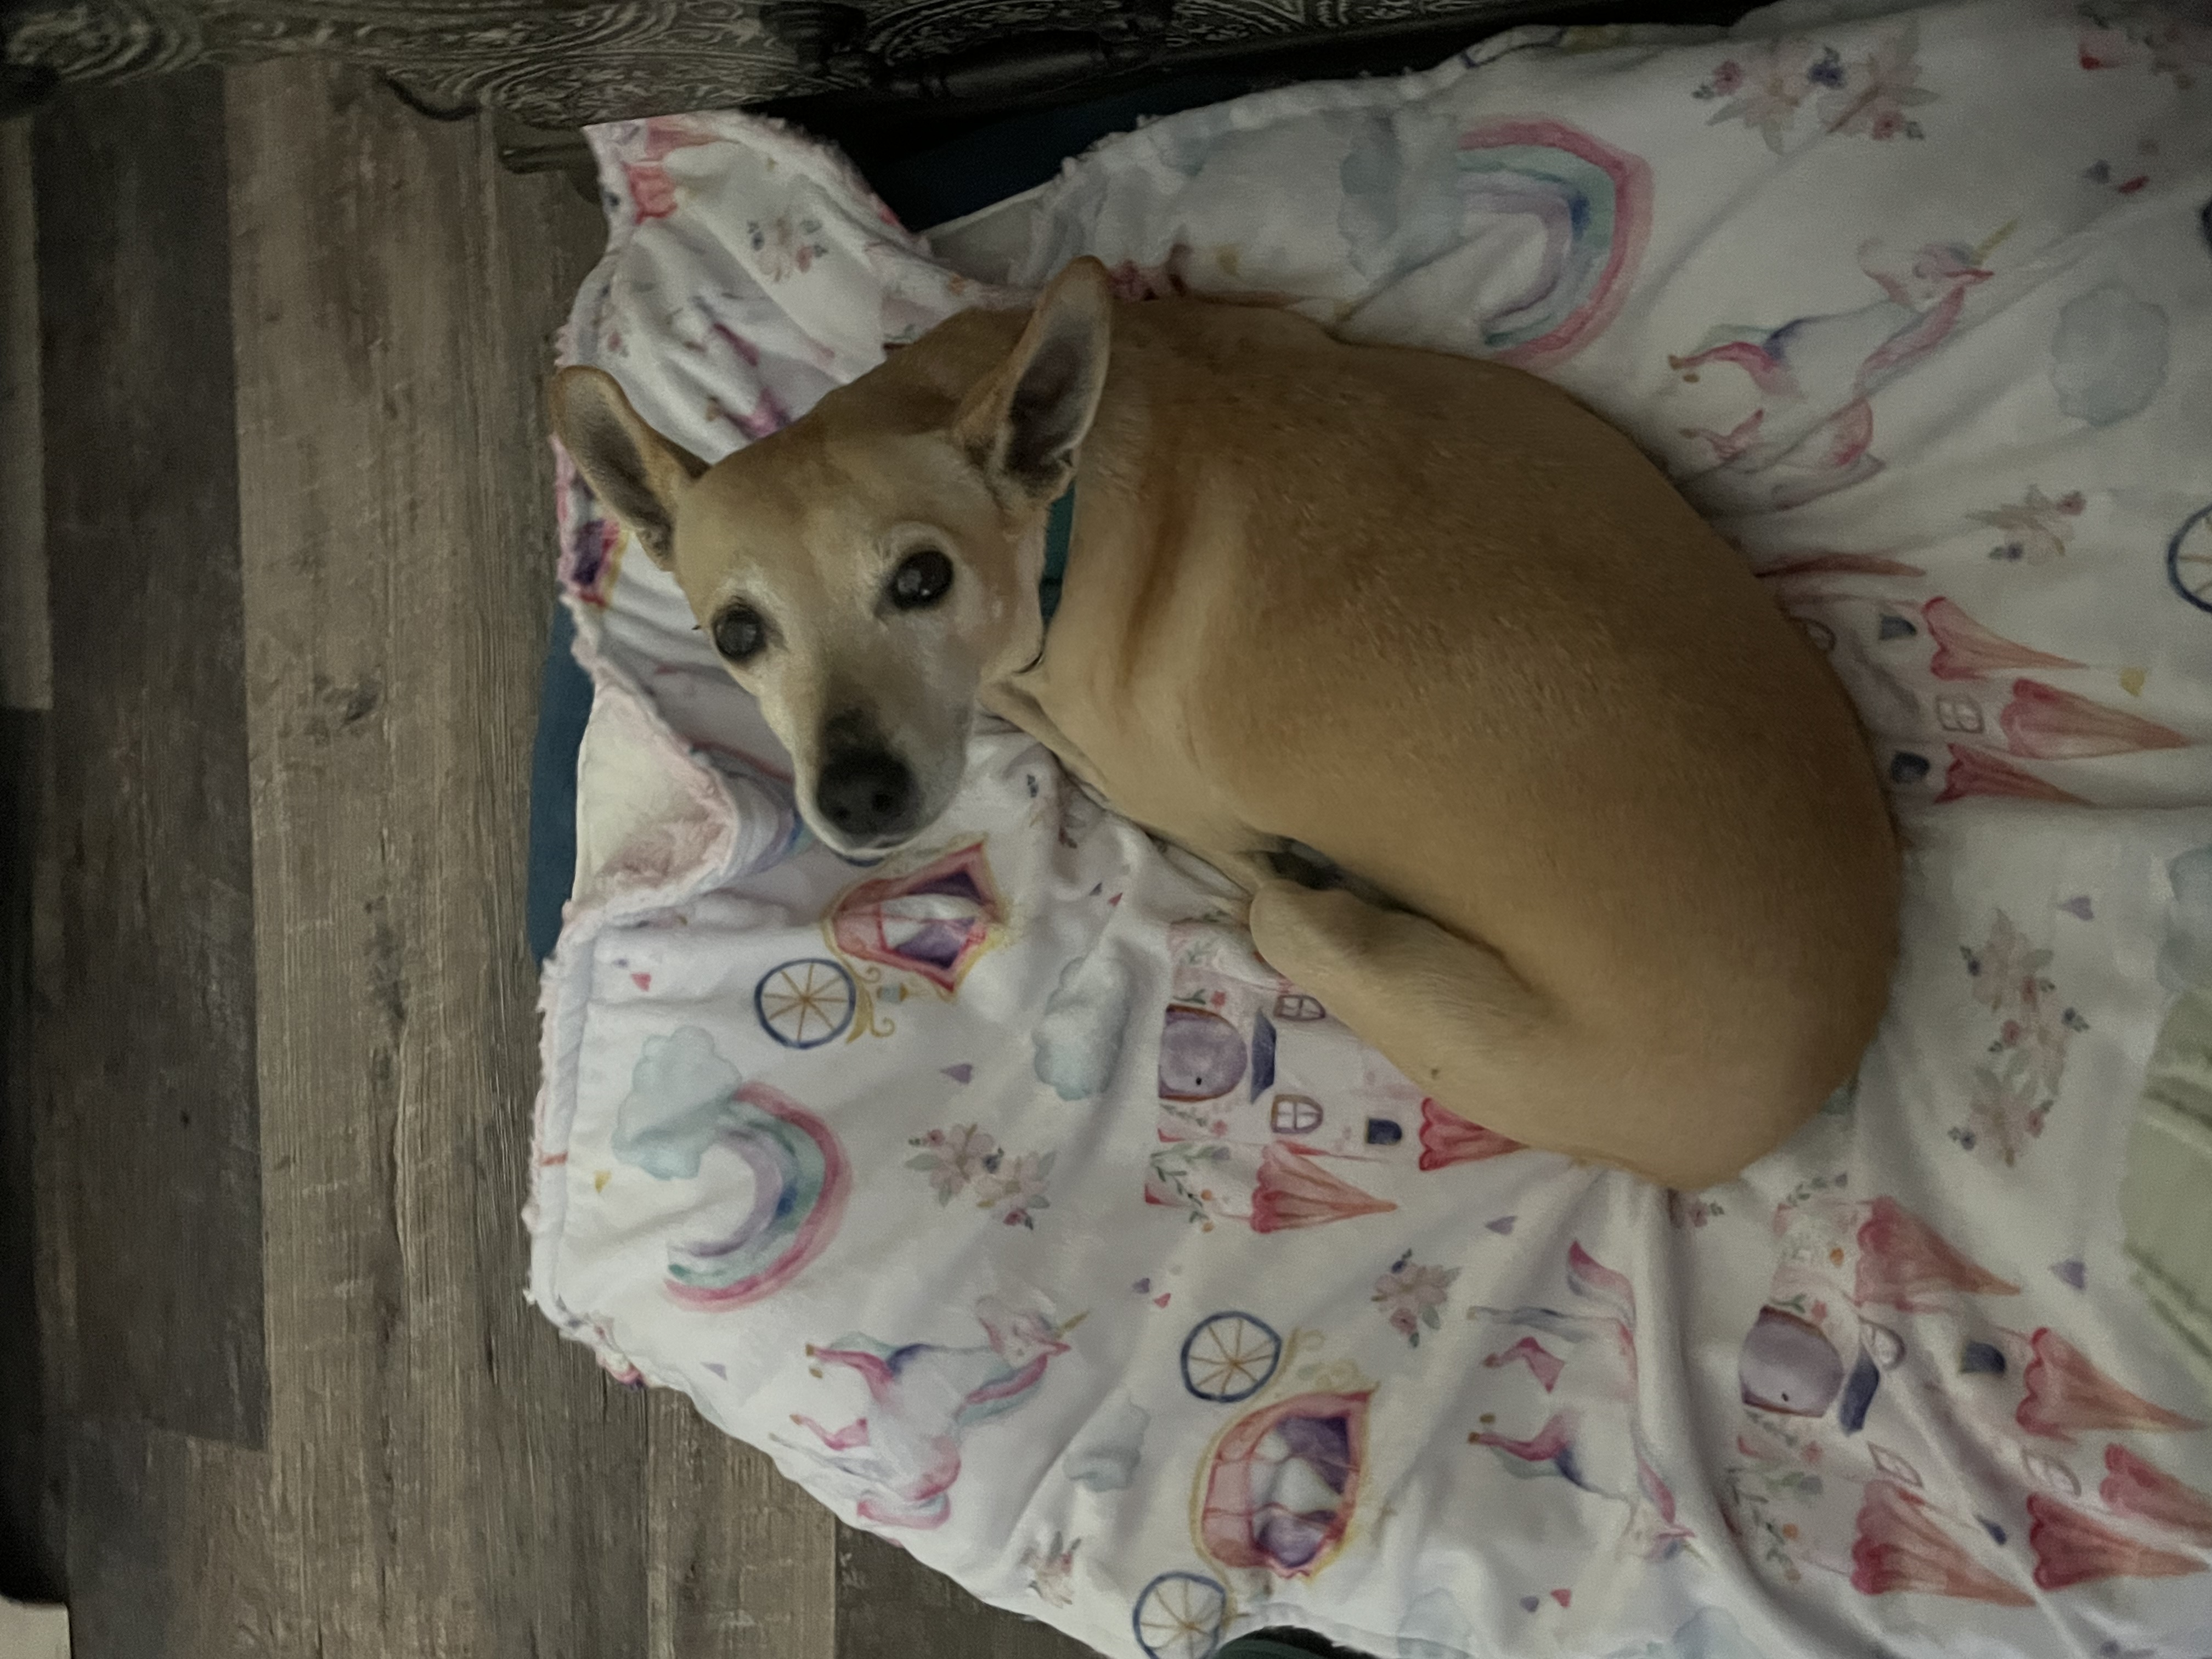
(30, 1458)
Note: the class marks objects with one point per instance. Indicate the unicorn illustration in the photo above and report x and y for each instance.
(1807, 406)
(898, 1460)
(1602, 1453)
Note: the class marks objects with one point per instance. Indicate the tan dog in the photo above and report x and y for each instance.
(1425, 616)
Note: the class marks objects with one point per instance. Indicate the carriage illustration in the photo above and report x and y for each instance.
(1229, 1356)
(1179, 1616)
(883, 934)
(1258, 1121)
(1273, 1495)
(2188, 559)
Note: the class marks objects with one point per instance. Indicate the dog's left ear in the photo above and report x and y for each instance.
(629, 467)
(1022, 423)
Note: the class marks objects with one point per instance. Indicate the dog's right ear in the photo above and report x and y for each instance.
(629, 467)
(1022, 423)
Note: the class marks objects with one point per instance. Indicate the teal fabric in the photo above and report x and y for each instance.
(564, 705)
(1005, 157)
(1264, 1646)
(1059, 533)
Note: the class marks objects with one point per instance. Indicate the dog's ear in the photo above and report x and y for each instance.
(1023, 422)
(630, 467)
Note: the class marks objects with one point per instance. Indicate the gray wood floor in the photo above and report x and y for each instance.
(269, 823)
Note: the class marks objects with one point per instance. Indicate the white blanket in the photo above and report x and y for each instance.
(1020, 1211)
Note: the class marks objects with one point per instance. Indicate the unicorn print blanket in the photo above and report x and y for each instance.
(1017, 1210)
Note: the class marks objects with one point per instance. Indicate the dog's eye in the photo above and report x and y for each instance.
(922, 579)
(739, 632)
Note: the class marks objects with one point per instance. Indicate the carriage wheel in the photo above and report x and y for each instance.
(1229, 1357)
(1179, 1616)
(2188, 559)
(806, 1003)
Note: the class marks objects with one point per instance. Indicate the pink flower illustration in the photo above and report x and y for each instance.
(2036, 531)
(2177, 45)
(953, 1157)
(2006, 1112)
(1765, 87)
(2074, 1547)
(1901, 1546)
(785, 247)
(1978, 772)
(1015, 1190)
(1413, 1295)
(2066, 1392)
(1447, 1138)
(2044, 1038)
(1905, 1264)
(2045, 723)
(2007, 969)
(2143, 1490)
(1294, 1190)
(1965, 650)
(2014, 1093)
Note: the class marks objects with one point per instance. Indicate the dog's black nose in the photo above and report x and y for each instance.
(868, 794)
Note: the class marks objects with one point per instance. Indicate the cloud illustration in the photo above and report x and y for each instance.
(2108, 357)
(680, 1098)
(1079, 1039)
(1105, 1458)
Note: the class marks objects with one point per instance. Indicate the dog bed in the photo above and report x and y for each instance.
(1022, 1214)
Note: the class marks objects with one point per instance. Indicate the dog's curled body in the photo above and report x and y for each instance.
(1427, 615)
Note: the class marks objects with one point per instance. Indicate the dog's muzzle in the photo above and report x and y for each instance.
(869, 796)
